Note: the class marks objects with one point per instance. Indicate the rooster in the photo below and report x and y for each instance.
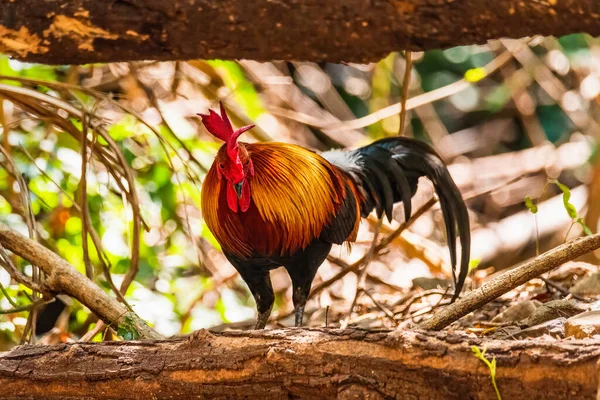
(276, 204)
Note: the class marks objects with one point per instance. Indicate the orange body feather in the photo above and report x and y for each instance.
(295, 194)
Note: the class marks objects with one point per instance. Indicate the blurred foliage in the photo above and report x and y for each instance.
(182, 284)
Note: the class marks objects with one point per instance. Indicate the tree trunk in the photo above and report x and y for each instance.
(88, 31)
(303, 363)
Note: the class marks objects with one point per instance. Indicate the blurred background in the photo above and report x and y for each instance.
(506, 117)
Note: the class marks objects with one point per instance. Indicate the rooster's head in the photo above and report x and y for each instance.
(233, 162)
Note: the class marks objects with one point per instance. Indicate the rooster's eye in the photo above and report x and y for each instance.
(247, 162)
(221, 166)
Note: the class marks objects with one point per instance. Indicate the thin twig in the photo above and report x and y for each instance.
(89, 335)
(388, 313)
(89, 268)
(363, 272)
(408, 300)
(104, 97)
(405, 87)
(13, 271)
(27, 307)
(154, 102)
(7, 296)
(560, 288)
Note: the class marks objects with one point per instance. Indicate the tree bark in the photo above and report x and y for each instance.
(87, 31)
(302, 363)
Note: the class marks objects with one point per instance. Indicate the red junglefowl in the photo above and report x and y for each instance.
(278, 204)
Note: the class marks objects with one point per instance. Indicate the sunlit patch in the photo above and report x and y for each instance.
(153, 237)
(156, 309)
(457, 55)
(203, 317)
(7, 326)
(558, 61)
(357, 87)
(467, 99)
(4, 277)
(162, 286)
(571, 101)
(590, 87)
(71, 161)
(313, 78)
(113, 242)
(235, 311)
(19, 321)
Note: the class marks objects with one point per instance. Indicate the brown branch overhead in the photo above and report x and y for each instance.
(87, 31)
(303, 363)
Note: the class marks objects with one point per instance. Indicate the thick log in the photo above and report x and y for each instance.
(302, 363)
(87, 31)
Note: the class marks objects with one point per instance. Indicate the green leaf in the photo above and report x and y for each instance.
(530, 206)
(586, 229)
(564, 189)
(475, 74)
(124, 128)
(474, 263)
(6, 70)
(571, 210)
(124, 333)
(127, 331)
(491, 366)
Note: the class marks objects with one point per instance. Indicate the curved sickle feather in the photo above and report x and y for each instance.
(423, 160)
(395, 164)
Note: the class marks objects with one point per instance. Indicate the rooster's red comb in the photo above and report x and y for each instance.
(220, 126)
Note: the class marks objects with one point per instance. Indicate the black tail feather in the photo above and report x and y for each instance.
(388, 172)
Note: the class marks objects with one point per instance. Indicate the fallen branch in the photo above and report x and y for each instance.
(62, 277)
(87, 31)
(303, 363)
(510, 280)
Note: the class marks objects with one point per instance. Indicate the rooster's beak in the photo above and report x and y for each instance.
(238, 188)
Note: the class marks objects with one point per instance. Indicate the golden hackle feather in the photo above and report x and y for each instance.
(295, 194)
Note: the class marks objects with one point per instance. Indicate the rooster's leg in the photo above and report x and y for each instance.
(299, 297)
(259, 283)
(262, 319)
(302, 272)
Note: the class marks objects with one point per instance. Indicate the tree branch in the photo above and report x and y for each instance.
(303, 363)
(62, 277)
(510, 280)
(90, 31)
